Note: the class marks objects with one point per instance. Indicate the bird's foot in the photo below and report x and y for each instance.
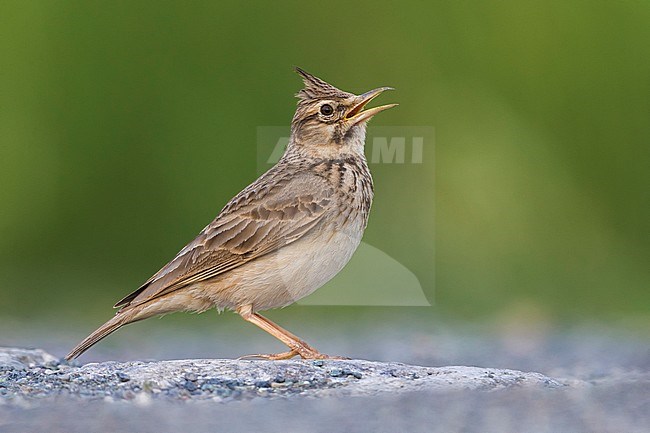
(303, 352)
(314, 354)
(271, 356)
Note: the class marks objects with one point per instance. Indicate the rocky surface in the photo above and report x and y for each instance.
(28, 375)
(39, 392)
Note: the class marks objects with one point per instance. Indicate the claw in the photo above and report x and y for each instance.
(336, 358)
(304, 354)
(272, 356)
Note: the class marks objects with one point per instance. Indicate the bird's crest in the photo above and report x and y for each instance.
(315, 88)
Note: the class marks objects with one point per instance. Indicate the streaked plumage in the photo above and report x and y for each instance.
(283, 236)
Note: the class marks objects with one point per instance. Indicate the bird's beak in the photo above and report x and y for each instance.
(357, 114)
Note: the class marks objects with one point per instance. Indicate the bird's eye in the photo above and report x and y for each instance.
(326, 110)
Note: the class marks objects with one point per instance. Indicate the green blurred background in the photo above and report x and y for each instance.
(125, 126)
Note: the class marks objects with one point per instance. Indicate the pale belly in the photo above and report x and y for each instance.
(281, 278)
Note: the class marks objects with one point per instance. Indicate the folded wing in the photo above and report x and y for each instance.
(259, 220)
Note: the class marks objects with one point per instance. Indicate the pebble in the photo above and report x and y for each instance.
(207, 387)
(123, 377)
(232, 384)
(190, 386)
(337, 372)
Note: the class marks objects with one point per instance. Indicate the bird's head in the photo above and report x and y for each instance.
(330, 122)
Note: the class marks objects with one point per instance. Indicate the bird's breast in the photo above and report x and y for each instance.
(297, 269)
(292, 272)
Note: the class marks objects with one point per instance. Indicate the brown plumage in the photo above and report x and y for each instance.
(280, 238)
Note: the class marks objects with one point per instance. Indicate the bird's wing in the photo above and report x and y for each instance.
(260, 219)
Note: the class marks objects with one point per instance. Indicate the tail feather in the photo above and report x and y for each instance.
(107, 328)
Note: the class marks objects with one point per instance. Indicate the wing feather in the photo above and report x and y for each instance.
(259, 220)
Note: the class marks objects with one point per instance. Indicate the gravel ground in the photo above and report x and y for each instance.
(593, 379)
(30, 375)
(40, 392)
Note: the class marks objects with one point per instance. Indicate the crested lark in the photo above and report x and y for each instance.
(283, 236)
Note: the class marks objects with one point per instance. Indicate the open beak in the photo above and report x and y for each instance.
(357, 114)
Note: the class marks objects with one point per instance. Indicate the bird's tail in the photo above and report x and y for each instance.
(120, 319)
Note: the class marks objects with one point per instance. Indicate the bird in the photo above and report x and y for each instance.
(282, 237)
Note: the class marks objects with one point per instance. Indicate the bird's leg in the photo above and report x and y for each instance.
(297, 346)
